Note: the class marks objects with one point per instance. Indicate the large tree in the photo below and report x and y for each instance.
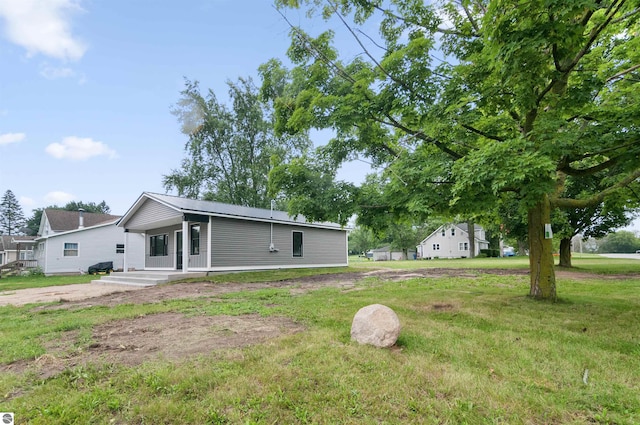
(229, 149)
(463, 101)
(11, 215)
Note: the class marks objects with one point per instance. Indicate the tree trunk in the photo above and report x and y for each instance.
(522, 247)
(543, 278)
(565, 252)
(472, 239)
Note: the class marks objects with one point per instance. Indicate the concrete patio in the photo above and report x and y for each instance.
(145, 278)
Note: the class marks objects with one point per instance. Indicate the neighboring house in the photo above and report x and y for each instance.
(70, 241)
(15, 247)
(386, 253)
(452, 241)
(195, 235)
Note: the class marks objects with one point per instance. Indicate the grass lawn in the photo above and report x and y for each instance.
(12, 283)
(473, 350)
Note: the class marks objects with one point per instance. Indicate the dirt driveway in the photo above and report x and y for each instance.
(59, 293)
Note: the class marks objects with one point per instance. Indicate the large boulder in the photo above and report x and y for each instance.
(375, 325)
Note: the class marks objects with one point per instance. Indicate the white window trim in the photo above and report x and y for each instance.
(64, 249)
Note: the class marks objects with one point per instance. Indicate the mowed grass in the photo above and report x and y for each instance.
(472, 350)
(12, 283)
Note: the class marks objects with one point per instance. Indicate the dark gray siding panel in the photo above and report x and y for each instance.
(240, 243)
(152, 212)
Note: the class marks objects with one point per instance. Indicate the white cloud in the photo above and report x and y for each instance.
(43, 27)
(53, 73)
(79, 149)
(8, 138)
(58, 198)
(27, 203)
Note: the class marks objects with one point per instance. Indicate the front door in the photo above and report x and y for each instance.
(179, 250)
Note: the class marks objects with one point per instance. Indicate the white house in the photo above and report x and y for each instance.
(452, 241)
(69, 242)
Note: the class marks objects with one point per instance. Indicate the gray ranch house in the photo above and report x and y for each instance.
(204, 236)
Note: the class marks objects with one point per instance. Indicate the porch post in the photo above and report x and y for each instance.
(208, 247)
(185, 246)
(126, 251)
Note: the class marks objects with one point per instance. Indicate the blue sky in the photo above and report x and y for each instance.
(86, 88)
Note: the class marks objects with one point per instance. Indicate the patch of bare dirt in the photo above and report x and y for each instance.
(167, 336)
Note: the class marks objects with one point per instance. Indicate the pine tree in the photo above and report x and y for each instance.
(11, 215)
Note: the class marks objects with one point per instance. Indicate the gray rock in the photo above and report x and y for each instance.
(375, 325)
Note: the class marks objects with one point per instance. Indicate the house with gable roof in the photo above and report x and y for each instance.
(193, 235)
(452, 241)
(68, 242)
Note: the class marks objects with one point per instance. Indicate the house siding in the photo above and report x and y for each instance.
(152, 212)
(242, 243)
(200, 261)
(449, 245)
(53, 261)
(169, 261)
(165, 261)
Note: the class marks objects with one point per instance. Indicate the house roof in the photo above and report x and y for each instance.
(62, 220)
(219, 209)
(10, 242)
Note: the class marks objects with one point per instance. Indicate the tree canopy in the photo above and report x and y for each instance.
(229, 149)
(462, 102)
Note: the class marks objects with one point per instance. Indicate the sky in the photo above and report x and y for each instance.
(87, 86)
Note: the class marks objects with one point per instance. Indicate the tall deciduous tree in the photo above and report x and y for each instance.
(463, 101)
(361, 240)
(11, 215)
(229, 149)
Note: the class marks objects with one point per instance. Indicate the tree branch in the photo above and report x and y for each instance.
(595, 32)
(621, 73)
(597, 198)
(482, 133)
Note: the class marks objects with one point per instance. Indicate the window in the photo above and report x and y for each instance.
(195, 239)
(436, 247)
(159, 244)
(443, 231)
(297, 244)
(119, 248)
(453, 232)
(70, 249)
(463, 246)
